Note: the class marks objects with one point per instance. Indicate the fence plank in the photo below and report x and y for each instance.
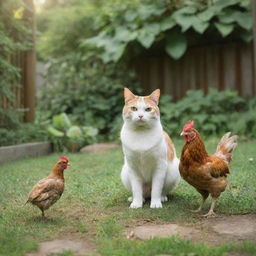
(221, 66)
(30, 63)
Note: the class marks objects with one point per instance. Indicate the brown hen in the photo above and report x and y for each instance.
(49, 190)
(206, 173)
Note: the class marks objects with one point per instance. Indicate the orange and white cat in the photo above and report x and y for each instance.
(151, 168)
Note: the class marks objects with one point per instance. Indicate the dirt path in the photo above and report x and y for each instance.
(213, 231)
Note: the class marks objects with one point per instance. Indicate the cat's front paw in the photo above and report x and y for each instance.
(156, 204)
(135, 205)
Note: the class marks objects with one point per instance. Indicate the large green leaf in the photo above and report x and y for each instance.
(185, 21)
(90, 131)
(113, 51)
(130, 15)
(147, 11)
(61, 122)
(224, 29)
(221, 4)
(199, 25)
(176, 44)
(185, 10)
(147, 34)
(145, 39)
(74, 132)
(167, 23)
(55, 132)
(123, 34)
(206, 15)
(244, 20)
(185, 17)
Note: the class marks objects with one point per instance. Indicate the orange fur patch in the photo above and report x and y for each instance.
(170, 147)
(133, 102)
(152, 104)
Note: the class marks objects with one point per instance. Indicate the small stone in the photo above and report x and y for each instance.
(131, 235)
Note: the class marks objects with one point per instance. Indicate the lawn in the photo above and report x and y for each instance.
(94, 205)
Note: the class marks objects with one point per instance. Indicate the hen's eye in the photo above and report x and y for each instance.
(134, 109)
(148, 109)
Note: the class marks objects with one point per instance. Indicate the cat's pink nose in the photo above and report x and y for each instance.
(140, 116)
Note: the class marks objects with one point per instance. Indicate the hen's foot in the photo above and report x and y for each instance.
(197, 210)
(210, 214)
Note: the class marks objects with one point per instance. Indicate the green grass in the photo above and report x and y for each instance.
(94, 205)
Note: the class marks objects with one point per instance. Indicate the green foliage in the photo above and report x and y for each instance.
(73, 17)
(214, 113)
(85, 78)
(90, 93)
(176, 45)
(14, 38)
(147, 22)
(31, 132)
(121, 28)
(64, 135)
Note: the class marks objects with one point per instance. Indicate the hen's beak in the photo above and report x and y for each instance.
(182, 133)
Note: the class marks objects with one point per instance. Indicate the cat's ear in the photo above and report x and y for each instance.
(128, 95)
(155, 96)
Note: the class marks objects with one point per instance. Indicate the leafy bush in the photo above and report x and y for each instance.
(64, 135)
(81, 84)
(91, 94)
(214, 113)
(23, 134)
(143, 23)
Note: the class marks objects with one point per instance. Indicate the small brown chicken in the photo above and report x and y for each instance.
(49, 190)
(206, 173)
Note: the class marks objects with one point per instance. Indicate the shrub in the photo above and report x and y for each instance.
(91, 94)
(214, 113)
(66, 136)
(23, 134)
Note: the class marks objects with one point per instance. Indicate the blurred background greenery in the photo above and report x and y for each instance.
(87, 47)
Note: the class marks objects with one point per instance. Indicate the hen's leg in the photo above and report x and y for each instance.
(43, 216)
(205, 195)
(211, 212)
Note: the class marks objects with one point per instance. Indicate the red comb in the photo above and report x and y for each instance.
(64, 158)
(188, 126)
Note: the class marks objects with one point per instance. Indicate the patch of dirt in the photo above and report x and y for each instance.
(78, 247)
(214, 231)
(162, 231)
(99, 148)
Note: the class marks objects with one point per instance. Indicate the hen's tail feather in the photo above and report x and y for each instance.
(226, 146)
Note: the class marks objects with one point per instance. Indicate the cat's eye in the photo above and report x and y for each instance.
(148, 109)
(134, 109)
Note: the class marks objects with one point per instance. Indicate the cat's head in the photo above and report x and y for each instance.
(141, 111)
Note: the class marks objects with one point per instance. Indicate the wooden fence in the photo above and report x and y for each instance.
(220, 66)
(24, 90)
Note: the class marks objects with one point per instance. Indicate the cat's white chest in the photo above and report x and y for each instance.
(143, 151)
(141, 141)
(144, 163)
